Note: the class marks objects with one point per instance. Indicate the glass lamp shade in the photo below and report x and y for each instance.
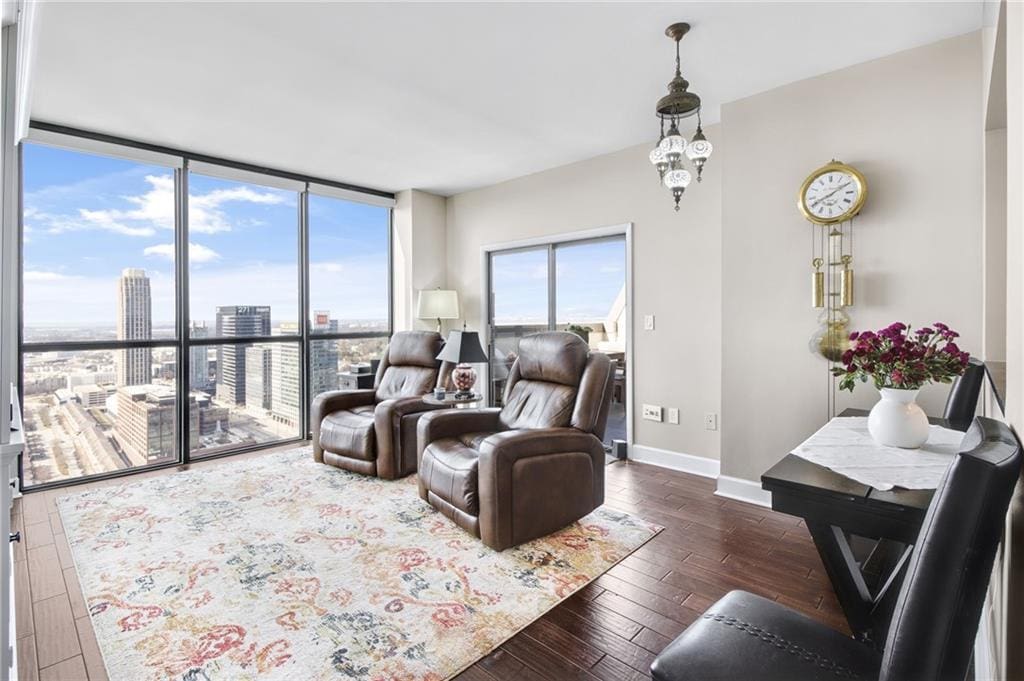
(677, 179)
(699, 149)
(658, 160)
(673, 145)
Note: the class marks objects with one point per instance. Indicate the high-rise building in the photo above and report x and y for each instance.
(144, 427)
(258, 378)
(134, 322)
(285, 377)
(234, 321)
(323, 368)
(199, 358)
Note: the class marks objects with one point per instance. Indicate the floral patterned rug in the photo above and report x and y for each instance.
(280, 568)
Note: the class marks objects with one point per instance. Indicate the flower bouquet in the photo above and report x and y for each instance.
(900, 361)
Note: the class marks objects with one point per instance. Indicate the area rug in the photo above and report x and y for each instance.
(280, 568)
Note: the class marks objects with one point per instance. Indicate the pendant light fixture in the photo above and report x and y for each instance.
(667, 155)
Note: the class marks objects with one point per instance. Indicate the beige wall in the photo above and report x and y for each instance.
(676, 271)
(995, 246)
(419, 253)
(917, 243)
(727, 277)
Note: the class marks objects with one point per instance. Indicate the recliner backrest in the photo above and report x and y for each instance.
(962, 402)
(409, 366)
(932, 631)
(556, 382)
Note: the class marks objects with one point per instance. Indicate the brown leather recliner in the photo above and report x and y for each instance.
(373, 431)
(535, 465)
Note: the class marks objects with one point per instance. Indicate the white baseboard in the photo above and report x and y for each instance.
(743, 490)
(677, 461)
(733, 488)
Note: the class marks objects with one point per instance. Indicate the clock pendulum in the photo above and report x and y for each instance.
(829, 199)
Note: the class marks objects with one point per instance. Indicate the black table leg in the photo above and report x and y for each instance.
(844, 573)
(868, 608)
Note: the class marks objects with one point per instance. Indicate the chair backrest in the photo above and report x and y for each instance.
(962, 402)
(935, 620)
(557, 382)
(409, 366)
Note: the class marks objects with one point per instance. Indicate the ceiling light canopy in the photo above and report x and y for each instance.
(679, 103)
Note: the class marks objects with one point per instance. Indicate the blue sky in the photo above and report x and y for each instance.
(589, 277)
(87, 217)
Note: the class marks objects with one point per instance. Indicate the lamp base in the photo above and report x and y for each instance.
(464, 378)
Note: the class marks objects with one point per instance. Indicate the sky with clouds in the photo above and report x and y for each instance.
(87, 217)
(588, 279)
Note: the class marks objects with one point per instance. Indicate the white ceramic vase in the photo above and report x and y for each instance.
(897, 420)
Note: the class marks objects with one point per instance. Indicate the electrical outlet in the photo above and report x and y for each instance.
(648, 322)
(652, 412)
(710, 421)
(673, 415)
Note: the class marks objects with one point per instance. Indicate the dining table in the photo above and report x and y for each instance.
(863, 535)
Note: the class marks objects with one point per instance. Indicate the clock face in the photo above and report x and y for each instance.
(833, 194)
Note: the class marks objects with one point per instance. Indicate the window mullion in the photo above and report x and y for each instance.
(182, 314)
(306, 352)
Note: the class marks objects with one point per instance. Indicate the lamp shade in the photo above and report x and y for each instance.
(437, 304)
(463, 347)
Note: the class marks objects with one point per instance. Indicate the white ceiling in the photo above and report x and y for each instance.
(440, 97)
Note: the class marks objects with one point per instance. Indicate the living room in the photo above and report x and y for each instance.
(512, 340)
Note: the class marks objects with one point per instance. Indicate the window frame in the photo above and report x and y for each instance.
(84, 141)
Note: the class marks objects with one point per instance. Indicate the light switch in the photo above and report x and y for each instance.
(648, 322)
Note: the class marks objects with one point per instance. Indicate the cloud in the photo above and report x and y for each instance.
(327, 267)
(37, 275)
(204, 210)
(154, 210)
(196, 252)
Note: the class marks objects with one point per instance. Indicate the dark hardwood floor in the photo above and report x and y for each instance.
(614, 627)
(610, 630)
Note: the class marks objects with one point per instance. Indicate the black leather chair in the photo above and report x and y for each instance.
(962, 402)
(931, 634)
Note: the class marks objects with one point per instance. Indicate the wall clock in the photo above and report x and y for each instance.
(832, 194)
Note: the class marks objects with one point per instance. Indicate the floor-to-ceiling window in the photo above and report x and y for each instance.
(176, 308)
(577, 286)
(98, 315)
(349, 286)
(243, 290)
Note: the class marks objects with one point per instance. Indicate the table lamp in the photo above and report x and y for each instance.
(437, 304)
(462, 348)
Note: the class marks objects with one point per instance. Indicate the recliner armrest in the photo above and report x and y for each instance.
(386, 418)
(550, 462)
(332, 401)
(452, 422)
(400, 406)
(500, 452)
(510, 446)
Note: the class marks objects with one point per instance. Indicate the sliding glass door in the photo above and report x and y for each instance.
(576, 286)
(176, 308)
(520, 305)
